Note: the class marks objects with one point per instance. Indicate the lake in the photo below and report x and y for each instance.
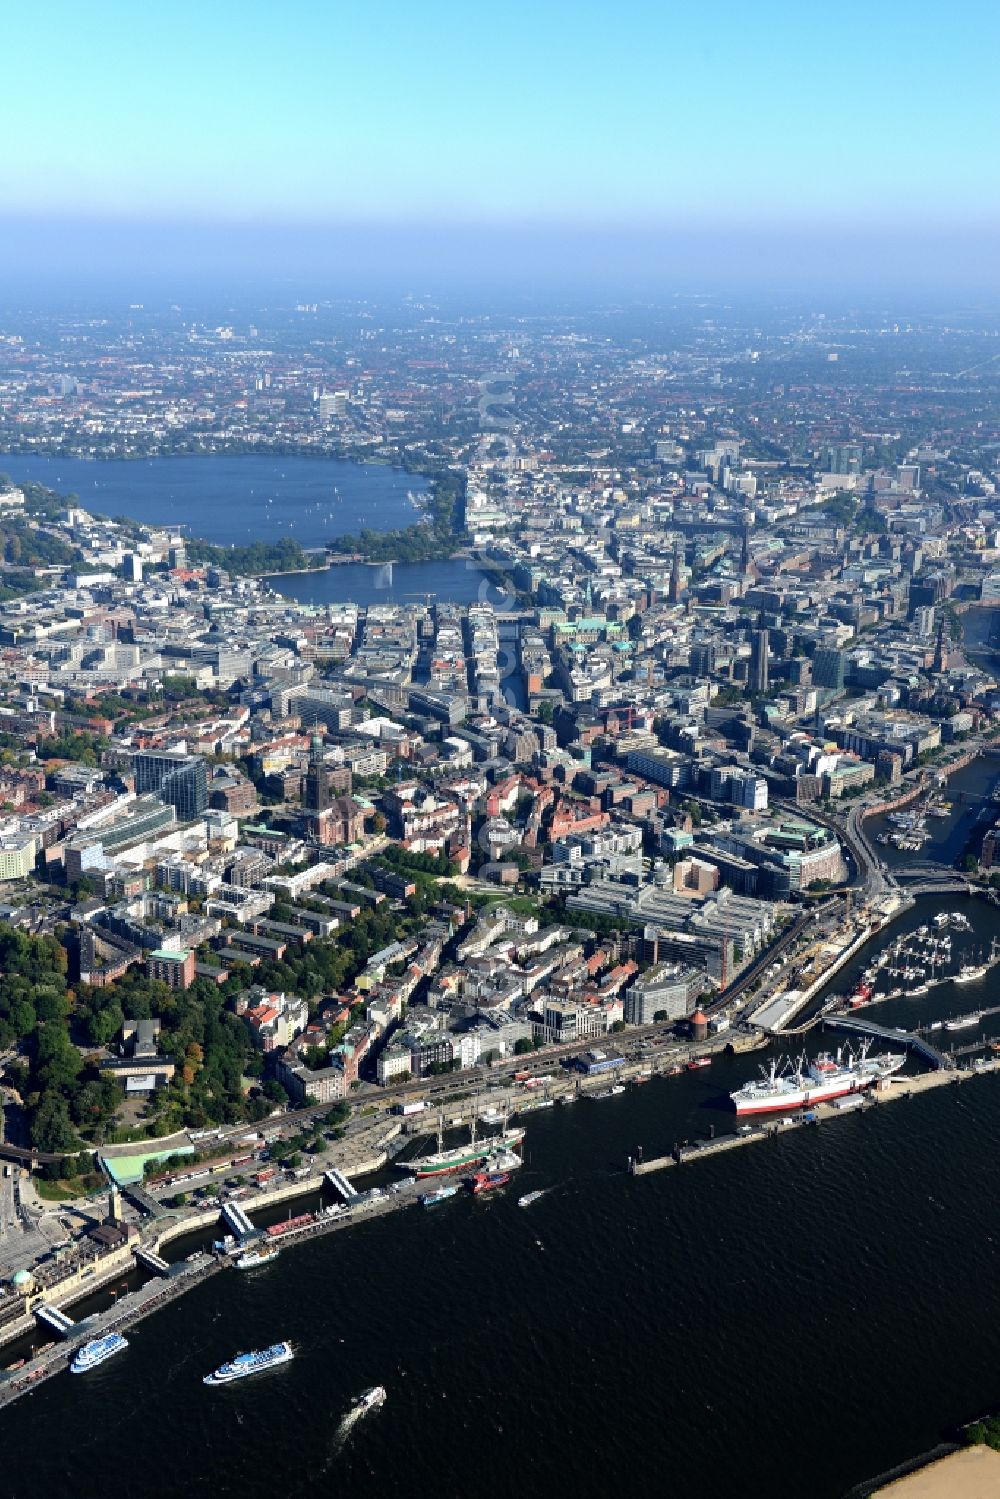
(233, 498)
(454, 581)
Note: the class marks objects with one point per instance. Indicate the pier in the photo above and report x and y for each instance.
(187, 1274)
(124, 1314)
(237, 1220)
(817, 1114)
(183, 1276)
(338, 1181)
(973, 1015)
(54, 1318)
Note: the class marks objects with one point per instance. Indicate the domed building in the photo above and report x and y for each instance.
(699, 1025)
(23, 1282)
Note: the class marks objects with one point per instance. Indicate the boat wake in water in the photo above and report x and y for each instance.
(371, 1400)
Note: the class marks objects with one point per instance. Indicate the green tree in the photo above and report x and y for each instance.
(58, 1064)
(23, 1019)
(51, 1004)
(103, 1026)
(51, 1129)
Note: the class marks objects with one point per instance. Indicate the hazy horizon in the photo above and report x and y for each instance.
(81, 256)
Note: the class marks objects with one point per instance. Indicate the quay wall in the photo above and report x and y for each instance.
(196, 1222)
(929, 776)
(154, 1294)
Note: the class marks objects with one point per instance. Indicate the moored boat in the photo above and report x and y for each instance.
(441, 1161)
(97, 1351)
(440, 1194)
(488, 1181)
(963, 1022)
(800, 1084)
(260, 1254)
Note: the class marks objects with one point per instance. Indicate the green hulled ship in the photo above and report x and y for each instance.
(461, 1156)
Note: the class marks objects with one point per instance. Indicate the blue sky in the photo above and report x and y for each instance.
(715, 116)
(565, 112)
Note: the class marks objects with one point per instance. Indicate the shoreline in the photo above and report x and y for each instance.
(158, 1292)
(429, 480)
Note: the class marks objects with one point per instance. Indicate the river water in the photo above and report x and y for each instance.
(780, 1321)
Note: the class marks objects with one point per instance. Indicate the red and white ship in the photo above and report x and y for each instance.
(796, 1085)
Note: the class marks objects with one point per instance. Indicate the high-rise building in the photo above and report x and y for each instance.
(843, 458)
(923, 620)
(701, 660)
(759, 680)
(132, 568)
(173, 967)
(829, 667)
(178, 779)
(333, 404)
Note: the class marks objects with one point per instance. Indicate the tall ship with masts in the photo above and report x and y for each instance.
(457, 1157)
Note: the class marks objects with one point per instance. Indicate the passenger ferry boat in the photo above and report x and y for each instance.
(97, 1351)
(245, 1364)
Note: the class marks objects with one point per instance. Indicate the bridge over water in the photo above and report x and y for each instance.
(855, 1026)
(933, 877)
(338, 1181)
